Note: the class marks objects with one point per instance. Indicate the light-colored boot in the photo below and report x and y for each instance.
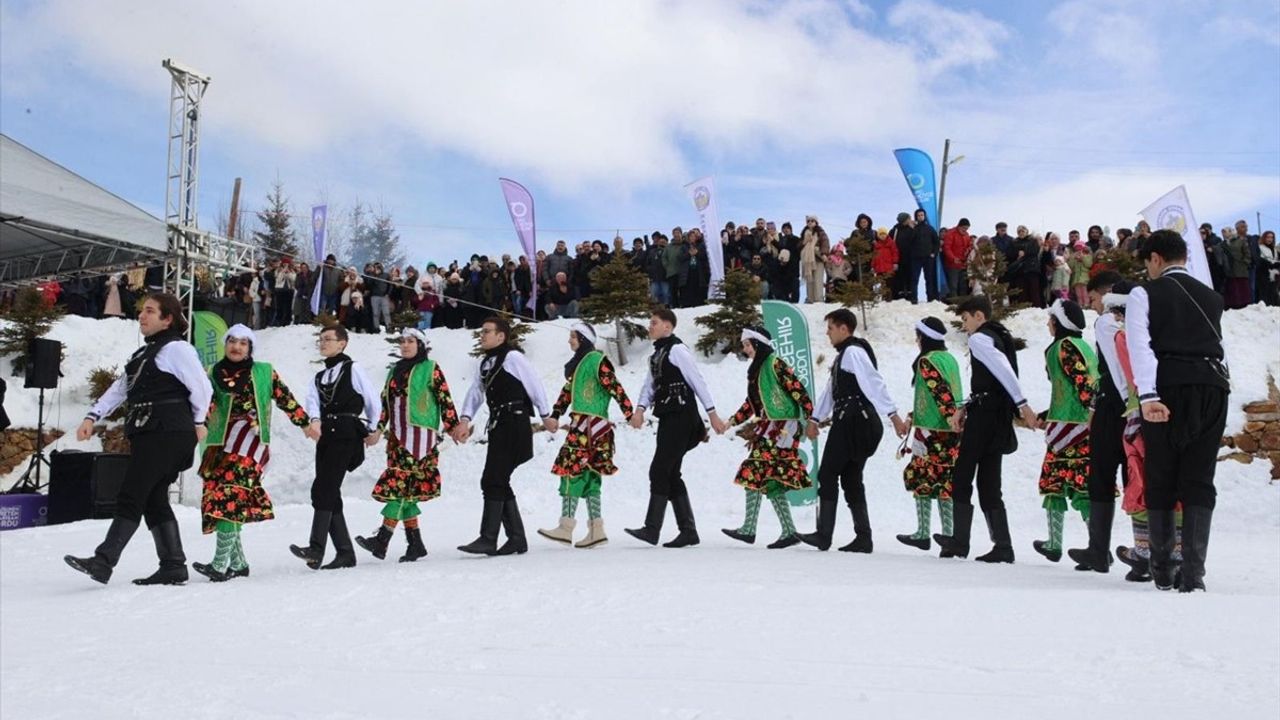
(562, 533)
(595, 535)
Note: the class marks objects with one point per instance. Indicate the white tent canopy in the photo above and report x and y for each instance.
(55, 223)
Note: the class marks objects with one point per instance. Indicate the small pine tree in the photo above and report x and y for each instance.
(620, 294)
(279, 238)
(101, 378)
(1129, 267)
(986, 273)
(374, 238)
(864, 287)
(30, 317)
(519, 329)
(738, 307)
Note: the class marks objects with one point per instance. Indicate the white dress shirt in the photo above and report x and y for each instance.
(519, 367)
(179, 359)
(855, 360)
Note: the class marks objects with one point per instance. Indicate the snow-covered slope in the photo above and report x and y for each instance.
(723, 630)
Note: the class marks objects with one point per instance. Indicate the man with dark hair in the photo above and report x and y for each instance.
(344, 406)
(986, 426)
(924, 258)
(168, 394)
(670, 387)
(1174, 338)
(854, 400)
(509, 385)
(1106, 431)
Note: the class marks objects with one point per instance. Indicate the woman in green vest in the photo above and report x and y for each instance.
(587, 454)
(236, 450)
(415, 405)
(779, 401)
(934, 445)
(1073, 378)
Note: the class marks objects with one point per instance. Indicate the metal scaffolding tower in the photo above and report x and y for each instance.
(189, 248)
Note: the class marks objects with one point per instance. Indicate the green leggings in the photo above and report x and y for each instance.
(228, 552)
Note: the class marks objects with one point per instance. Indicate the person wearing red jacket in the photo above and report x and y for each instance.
(884, 258)
(956, 246)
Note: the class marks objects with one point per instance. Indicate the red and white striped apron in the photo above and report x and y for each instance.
(418, 441)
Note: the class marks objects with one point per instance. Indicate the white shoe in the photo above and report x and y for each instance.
(562, 533)
(595, 535)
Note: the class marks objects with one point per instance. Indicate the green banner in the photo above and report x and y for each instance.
(207, 330)
(791, 342)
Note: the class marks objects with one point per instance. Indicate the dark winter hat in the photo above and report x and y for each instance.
(964, 222)
(903, 217)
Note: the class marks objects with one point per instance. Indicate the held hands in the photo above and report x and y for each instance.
(900, 427)
(811, 430)
(85, 431)
(717, 424)
(372, 438)
(201, 433)
(956, 421)
(462, 431)
(551, 424)
(312, 430)
(1155, 411)
(1029, 417)
(637, 419)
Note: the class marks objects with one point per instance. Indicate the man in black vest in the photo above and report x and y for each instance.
(1174, 336)
(986, 426)
(855, 398)
(669, 389)
(509, 385)
(345, 407)
(168, 394)
(1106, 431)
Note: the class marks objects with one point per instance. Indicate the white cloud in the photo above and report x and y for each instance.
(579, 92)
(952, 38)
(1093, 32)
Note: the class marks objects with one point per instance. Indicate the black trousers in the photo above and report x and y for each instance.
(678, 433)
(1106, 449)
(335, 457)
(982, 447)
(154, 463)
(1182, 453)
(510, 446)
(836, 473)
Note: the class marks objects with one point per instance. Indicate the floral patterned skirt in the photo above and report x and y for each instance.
(407, 477)
(933, 459)
(1065, 471)
(232, 490)
(774, 463)
(589, 446)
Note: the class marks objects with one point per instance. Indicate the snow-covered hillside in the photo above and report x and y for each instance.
(719, 631)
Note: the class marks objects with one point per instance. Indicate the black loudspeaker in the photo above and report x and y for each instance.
(84, 485)
(43, 358)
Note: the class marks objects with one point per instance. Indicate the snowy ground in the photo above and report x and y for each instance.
(627, 631)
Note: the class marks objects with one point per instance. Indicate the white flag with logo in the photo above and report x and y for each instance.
(1173, 212)
(703, 194)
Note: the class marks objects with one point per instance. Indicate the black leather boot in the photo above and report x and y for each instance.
(313, 551)
(1096, 557)
(173, 563)
(653, 519)
(738, 535)
(344, 552)
(513, 526)
(688, 535)
(490, 521)
(821, 537)
(1162, 529)
(1139, 569)
(861, 530)
(416, 549)
(376, 545)
(1195, 546)
(998, 527)
(99, 565)
(957, 543)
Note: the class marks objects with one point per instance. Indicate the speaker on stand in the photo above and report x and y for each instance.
(43, 360)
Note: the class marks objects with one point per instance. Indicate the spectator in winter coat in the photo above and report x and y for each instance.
(837, 266)
(956, 246)
(863, 230)
(1060, 281)
(1216, 253)
(788, 265)
(1024, 271)
(559, 262)
(1237, 293)
(1268, 269)
(1251, 241)
(814, 246)
(1002, 241)
(905, 236)
(1080, 261)
(560, 300)
(884, 259)
(924, 256)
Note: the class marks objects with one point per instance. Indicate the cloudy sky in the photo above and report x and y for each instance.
(1067, 113)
